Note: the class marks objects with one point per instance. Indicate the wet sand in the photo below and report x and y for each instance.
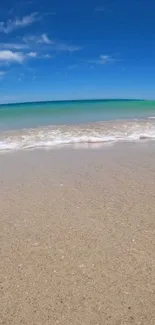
(77, 236)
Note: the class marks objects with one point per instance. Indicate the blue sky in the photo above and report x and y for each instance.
(54, 50)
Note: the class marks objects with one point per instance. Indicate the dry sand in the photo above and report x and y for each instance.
(77, 236)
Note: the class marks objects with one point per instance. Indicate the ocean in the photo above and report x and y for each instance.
(87, 122)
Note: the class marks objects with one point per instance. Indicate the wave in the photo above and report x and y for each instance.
(96, 133)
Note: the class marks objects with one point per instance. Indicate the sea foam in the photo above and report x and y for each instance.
(101, 133)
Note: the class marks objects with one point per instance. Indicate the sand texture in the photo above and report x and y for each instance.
(77, 236)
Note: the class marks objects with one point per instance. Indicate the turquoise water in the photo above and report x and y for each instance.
(31, 115)
(54, 123)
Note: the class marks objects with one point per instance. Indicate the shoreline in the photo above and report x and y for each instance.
(88, 135)
(77, 236)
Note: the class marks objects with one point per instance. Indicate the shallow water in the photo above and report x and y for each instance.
(50, 124)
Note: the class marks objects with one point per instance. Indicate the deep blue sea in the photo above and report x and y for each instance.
(48, 124)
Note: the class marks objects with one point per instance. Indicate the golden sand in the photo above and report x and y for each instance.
(77, 237)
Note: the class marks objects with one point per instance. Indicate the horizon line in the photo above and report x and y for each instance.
(76, 100)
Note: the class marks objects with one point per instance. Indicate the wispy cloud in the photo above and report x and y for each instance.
(56, 46)
(47, 56)
(30, 47)
(39, 55)
(14, 46)
(37, 39)
(32, 54)
(61, 47)
(106, 59)
(11, 25)
(45, 39)
(19, 52)
(31, 43)
(103, 59)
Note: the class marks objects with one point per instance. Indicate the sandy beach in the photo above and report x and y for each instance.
(77, 236)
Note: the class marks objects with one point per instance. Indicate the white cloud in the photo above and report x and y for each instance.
(11, 25)
(104, 59)
(9, 56)
(32, 54)
(37, 55)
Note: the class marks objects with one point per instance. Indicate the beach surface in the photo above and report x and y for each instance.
(77, 236)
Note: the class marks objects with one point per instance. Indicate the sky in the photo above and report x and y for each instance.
(64, 49)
